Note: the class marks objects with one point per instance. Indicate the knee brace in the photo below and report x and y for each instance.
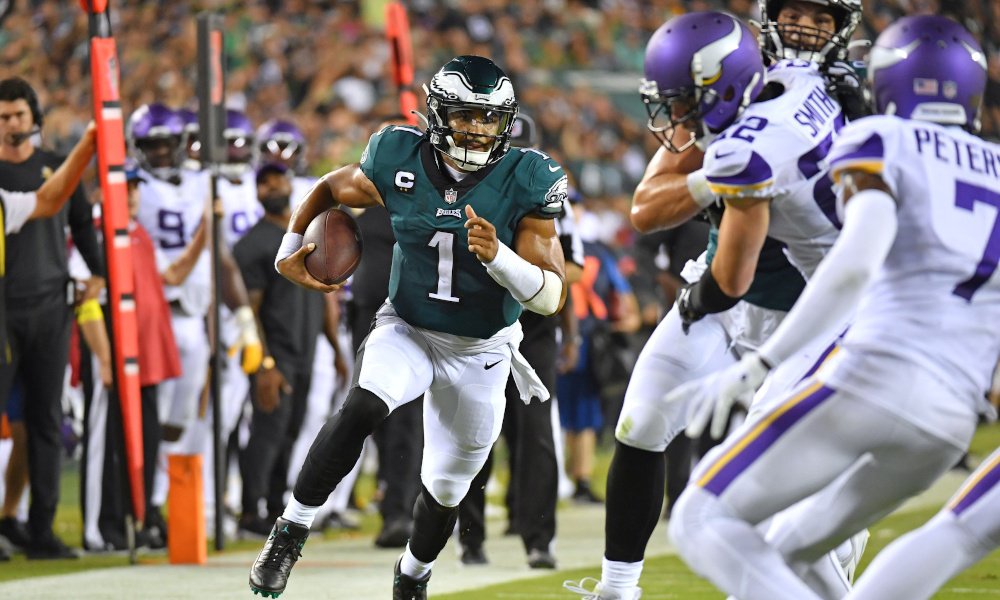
(338, 446)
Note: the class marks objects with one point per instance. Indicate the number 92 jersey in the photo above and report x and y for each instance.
(436, 282)
(777, 149)
(936, 300)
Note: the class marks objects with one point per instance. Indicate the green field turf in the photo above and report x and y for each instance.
(664, 577)
(668, 577)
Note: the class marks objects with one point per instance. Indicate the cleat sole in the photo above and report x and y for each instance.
(264, 593)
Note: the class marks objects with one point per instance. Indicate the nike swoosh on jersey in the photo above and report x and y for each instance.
(551, 170)
(489, 366)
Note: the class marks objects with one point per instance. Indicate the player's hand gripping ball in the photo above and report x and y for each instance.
(338, 246)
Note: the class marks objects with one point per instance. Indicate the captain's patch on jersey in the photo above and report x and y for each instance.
(404, 181)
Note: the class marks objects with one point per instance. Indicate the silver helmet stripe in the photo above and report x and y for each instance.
(977, 56)
(882, 57)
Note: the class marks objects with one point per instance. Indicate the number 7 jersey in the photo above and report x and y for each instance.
(936, 300)
(436, 282)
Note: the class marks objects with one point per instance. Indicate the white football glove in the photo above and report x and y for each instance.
(712, 397)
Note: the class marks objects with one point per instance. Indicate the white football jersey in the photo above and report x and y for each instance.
(171, 214)
(242, 211)
(301, 185)
(777, 149)
(936, 301)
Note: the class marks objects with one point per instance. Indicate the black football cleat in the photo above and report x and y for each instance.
(405, 587)
(270, 571)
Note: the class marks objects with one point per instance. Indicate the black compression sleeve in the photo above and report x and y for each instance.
(81, 225)
(708, 298)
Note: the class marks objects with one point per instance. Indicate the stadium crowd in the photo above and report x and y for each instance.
(324, 66)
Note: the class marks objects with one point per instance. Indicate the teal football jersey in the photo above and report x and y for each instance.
(436, 282)
(776, 283)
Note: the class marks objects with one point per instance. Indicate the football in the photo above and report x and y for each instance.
(338, 246)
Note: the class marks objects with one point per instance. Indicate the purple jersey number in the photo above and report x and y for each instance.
(240, 223)
(752, 124)
(966, 195)
(171, 223)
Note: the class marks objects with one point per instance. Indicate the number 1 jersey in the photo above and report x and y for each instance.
(436, 282)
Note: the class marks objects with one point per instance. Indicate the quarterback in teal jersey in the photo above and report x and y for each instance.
(475, 244)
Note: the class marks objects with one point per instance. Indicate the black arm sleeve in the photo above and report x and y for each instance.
(708, 298)
(81, 225)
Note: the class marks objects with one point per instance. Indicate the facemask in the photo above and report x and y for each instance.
(274, 204)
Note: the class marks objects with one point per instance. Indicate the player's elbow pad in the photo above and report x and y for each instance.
(535, 288)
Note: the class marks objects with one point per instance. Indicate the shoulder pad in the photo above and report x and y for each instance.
(861, 145)
(735, 170)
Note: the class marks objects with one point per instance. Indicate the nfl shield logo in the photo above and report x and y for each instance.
(950, 89)
(450, 196)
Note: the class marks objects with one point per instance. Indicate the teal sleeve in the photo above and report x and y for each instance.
(368, 156)
(548, 189)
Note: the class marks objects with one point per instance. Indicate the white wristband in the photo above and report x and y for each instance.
(535, 288)
(697, 184)
(290, 244)
(522, 278)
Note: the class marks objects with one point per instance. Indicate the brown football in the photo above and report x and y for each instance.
(338, 246)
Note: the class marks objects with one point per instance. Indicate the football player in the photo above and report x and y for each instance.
(898, 405)
(475, 242)
(237, 192)
(171, 208)
(281, 141)
(673, 190)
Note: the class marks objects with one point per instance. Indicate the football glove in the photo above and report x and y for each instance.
(248, 342)
(711, 398)
(685, 309)
(845, 85)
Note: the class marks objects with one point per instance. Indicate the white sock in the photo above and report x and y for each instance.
(296, 512)
(622, 576)
(411, 567)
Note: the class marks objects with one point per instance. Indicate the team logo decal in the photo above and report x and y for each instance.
(558, 193)
(450, 196)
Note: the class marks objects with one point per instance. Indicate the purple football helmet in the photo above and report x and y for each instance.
(192, 144)
(239, 145)
(702, 70)
(928, 68)
(154, 134)
(281, 141)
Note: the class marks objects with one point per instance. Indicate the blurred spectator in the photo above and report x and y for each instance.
(605, 306)
(325, 64)
(281, 386)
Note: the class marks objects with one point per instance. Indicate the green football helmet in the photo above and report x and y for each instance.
(470, 83)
